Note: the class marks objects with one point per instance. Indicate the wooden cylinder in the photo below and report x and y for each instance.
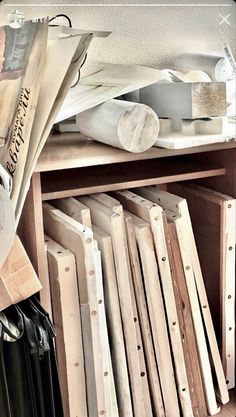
(122, 124)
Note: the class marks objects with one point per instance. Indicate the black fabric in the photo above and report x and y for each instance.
(29, 384)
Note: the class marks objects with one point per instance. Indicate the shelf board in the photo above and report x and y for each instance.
(72, 150)
(88, 180)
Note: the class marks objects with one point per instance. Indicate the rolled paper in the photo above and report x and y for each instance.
(126, 125)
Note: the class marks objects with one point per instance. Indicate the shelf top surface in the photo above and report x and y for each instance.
(72, 150)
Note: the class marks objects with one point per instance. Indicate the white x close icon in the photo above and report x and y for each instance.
(225, 19)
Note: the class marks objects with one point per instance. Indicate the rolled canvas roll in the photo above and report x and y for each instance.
(122, 124)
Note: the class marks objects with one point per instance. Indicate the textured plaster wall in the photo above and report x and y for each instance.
(143, 35)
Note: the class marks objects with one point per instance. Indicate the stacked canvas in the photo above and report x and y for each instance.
(135, 334)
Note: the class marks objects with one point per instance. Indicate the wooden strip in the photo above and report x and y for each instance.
(110, 202)
(153, 377)
(157, 316)
(110, 393)
(133, 263)
(66, 313)
(114, 322)
(45, 292)
(153, 213)
(75, 210)
(186, 324)
(81, 213)
(106, 200)
(112, 222)
(228, 223)
(79, 240)
(213, 218)
(31, 228)
(179, 207)
(182, 231)
(18, 279)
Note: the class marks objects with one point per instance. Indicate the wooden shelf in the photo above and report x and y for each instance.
(72, 165)
(87, 180)
(72, 150)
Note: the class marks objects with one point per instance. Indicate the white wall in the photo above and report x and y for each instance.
(144, 35)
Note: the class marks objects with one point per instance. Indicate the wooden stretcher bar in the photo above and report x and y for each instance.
(154, 214)
(190, 258)
(186, 324)
(76, 210)
(112, 222)
(141, 331)
(79, 240)
(66, 316)
(214, 225)
(117, 343)
(110, 392)
(146, 287)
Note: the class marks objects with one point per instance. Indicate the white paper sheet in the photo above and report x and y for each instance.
(179, 141)
(103, 82)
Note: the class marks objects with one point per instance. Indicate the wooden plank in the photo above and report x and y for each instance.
(157, 316)
(60, 184)
(79, 240)
(166, 201)
(110, 202)
(66, 313)
(153, 213)
(114, 322)
(152, 370)
(81, 213)
(110, 392)
(72, 150)
(31, 228)
(45, 292)
(136, 304)
(185, 233)
(186, 324)
(18, 279)
(107, 201)
(75, 210)
(213, 219)
(113, 223)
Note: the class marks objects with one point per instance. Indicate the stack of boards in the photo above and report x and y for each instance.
(135, 336)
